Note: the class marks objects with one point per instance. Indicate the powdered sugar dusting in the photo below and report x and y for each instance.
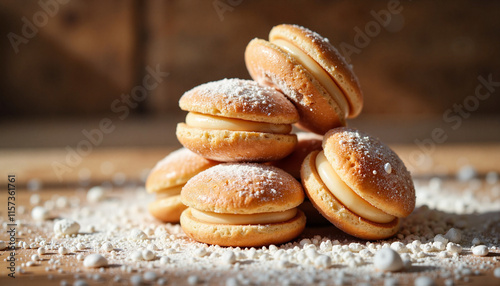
(325, 43)
(314, 36)
(236, 187)
(182, 155)
(247, 93)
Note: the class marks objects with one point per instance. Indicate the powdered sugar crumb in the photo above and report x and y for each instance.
(316, 257)
(388, 168)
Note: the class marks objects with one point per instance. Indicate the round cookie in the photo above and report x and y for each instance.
(311, 72)
(168, 177)
(242, 204)
(359, 184)
(235, 120)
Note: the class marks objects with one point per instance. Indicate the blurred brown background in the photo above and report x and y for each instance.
(66, 64)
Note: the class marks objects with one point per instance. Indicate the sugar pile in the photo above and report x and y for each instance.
(451, 237)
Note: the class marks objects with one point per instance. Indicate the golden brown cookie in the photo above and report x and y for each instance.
(311, 72)
(235, 120)
(242, 204)
(168, 177)
(359, 184)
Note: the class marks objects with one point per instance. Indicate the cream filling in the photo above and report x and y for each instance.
(317, 71)
(205, 121)
(173, 191)
(260, 218)
(346, 195)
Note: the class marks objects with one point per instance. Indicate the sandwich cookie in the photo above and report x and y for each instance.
(235, 120)
(306, 143)
(168, 177)
(242, 204)
(311, 72)
(359, 184)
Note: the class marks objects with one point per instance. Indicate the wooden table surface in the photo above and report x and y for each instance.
(59, 172)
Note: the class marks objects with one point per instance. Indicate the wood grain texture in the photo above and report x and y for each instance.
(425, 60)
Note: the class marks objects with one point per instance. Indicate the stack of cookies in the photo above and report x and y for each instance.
(242, 176)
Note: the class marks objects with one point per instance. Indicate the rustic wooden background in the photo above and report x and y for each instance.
(88, 53)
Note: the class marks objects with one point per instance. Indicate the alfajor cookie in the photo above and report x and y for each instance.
(168, 177)
(359, 184)
(242, 204)
(311, 72)
(235, 120)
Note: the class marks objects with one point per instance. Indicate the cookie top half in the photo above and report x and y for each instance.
(242, 188)
(240, 99)
(176, 169)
